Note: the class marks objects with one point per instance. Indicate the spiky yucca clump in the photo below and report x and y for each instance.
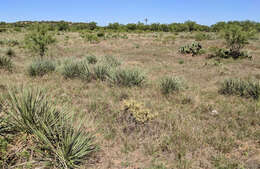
(41, 67)
(172, 84)
(6, 63)
(60, 144)
(112, 61)
(128, 77)
(101, 72)
(244, 88)
(92, 59)
(76, 69)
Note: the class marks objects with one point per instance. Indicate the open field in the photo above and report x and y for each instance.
(196, 127)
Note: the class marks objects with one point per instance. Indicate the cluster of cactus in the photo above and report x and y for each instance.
(194, 49)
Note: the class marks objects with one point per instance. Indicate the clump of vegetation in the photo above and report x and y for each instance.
(101, 71)
(58, 143)
(244, 88)
(128, 77)
(39, 40)
(92, 38)
(169, 39)
(91, 59)
(137, 111)
(201, 36)
(172, 84)
(6, 63)
(112, 61)
(41, 67)
(10, 52)
(195, 48)
(101, 34)
(76, 69)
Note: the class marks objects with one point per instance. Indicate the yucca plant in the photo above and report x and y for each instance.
(112, 61)
(61, 145)
(76, 69)
(244, 88)
(41, 67)
(101, 72)
(6, 63)
(172, 84)
(128, 77)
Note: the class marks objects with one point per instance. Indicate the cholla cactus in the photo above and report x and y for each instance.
(138, 111)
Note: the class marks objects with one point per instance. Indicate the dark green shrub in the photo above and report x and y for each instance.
(195, 48)
(92, 38)
(225, 54)
(128, 77)
(58, 142)
(76, 69)
(172, 84)
(6, 63)
(100, 34)
(41, 67)
(92, 59)
(39, 40)
(10, 52)
(244, 88)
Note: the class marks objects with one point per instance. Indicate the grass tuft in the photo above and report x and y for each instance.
(41, 67)
(6, 63)
(171, 84)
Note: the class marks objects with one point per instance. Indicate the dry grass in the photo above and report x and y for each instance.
(195, 128)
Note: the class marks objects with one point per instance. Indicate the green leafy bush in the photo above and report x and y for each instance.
(39, 39)
(195, 48)
(76, 69)
(128, 77)
(41, 67)
(244, 88)
(92, 59)
(92, 38)
(6, 63)
(172, 84)
(226, 53)
(236, 40)
(59, 143)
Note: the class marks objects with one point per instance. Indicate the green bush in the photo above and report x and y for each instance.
(58, 142)
(101, 72)
(39, 39)
(92, 38)
(201, 36)
(128, 77)
(41, 67)
(76, 69)
(225, 54)
(172, 84)
(244, 88)
(100, 34)
(236, 39)
(195, 48)
(6, 63)
(92, 59)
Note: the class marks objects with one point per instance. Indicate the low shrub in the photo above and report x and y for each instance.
(6, 63)
(10, 52)
(92, 38)
(244, 88)
(41, 67)
(111, 61)
(137, 112)
(101, 72)
(128, 77)
(100, 34)
(76, 69)
(59, 144)
(92, 59)
(226, 53)
(195, 48)
(172, 84)
(201, 36)
(169, 39)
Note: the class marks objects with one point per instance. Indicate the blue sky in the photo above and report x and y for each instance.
(130, 11)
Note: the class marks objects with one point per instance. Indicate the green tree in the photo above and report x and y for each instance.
(39, 39)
